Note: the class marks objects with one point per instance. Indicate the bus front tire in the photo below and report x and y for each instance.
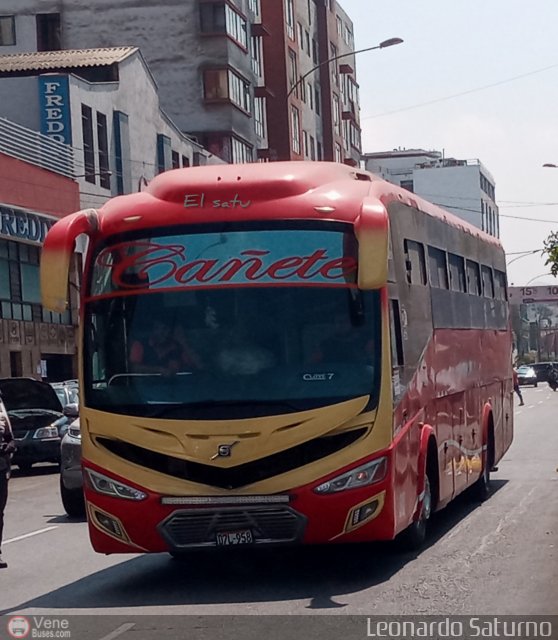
(414, 536)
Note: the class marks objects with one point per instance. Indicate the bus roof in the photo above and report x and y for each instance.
(262, 191)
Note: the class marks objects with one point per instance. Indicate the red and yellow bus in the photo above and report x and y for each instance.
(340, 366)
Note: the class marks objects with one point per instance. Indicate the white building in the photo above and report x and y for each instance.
(104, 103)
(464, 187)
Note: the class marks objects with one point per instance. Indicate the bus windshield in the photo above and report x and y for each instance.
(229, 325)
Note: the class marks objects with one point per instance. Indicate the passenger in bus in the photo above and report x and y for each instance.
(347, 343)
(162, 353)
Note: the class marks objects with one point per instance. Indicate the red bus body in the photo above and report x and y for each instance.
(433, 291)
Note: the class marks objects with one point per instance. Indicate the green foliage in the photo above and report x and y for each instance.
(551, 250)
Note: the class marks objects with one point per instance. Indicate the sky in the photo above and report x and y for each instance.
(499, 61)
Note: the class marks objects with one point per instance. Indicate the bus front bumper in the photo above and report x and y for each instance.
(170, 523)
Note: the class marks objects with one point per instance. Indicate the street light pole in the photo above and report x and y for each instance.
(386, 43)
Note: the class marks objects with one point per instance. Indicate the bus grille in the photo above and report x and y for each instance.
(199, 527)
(233, 477)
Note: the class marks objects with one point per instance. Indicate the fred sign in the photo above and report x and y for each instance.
(54, 100)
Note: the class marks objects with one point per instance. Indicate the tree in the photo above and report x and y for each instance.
(551, 250)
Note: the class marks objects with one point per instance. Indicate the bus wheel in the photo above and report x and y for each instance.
(412, 539)
(481, 489)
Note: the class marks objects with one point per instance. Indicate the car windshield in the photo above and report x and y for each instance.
(236, 350)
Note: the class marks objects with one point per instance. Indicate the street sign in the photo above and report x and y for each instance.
(525, 295)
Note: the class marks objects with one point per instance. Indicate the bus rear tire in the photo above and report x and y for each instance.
(480, 491)
(414, 536)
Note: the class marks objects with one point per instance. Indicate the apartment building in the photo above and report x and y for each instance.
(464, 187)
(223, 68)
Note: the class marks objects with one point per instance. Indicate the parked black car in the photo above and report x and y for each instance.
(37, 418)
(542, 369)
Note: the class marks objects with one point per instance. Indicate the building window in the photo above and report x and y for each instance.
(408, 184)
(102, 141)
(255, 7)
(185, 161)
(317, 99)
(305, 144)
(7, 31)
(224, 84)
(312, 148)
(295, 129)
(336, 116)
(48, 32)
(175, 159)
(293, 71)
(219, 17)
(240, 151)
(239, 92)
(289, 17)
(163, 152)
(320, 151)
(259, 117)
(121, 155)
(338, 153)
(88, 150)
(310, 94)
(314, 51)
(334, 66)
(300, 35)
(256, 56)
(236, 26)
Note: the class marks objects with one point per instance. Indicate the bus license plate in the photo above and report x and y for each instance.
(243, 536)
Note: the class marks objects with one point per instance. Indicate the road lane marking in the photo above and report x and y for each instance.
(28, 535)
(119, 631)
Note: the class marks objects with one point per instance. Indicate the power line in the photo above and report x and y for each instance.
(461, 93)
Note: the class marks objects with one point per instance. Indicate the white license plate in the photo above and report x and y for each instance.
(226, 538)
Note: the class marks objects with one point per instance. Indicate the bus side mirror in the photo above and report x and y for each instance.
(372, 232)
(56, 254)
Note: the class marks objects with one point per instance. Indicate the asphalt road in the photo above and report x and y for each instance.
(500, 557)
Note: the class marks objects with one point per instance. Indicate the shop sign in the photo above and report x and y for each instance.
(23, 225)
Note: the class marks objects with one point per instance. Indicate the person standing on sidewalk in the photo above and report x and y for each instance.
(7, 447)
(516, 388)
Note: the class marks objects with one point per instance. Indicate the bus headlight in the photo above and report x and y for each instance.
(104, 484)
(360, 477)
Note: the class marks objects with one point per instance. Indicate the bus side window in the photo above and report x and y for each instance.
(438, 268)
(397, 359)
(415, 263)
(473, 278)
(487, 282)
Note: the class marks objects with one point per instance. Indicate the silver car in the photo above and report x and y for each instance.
(71, 478)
